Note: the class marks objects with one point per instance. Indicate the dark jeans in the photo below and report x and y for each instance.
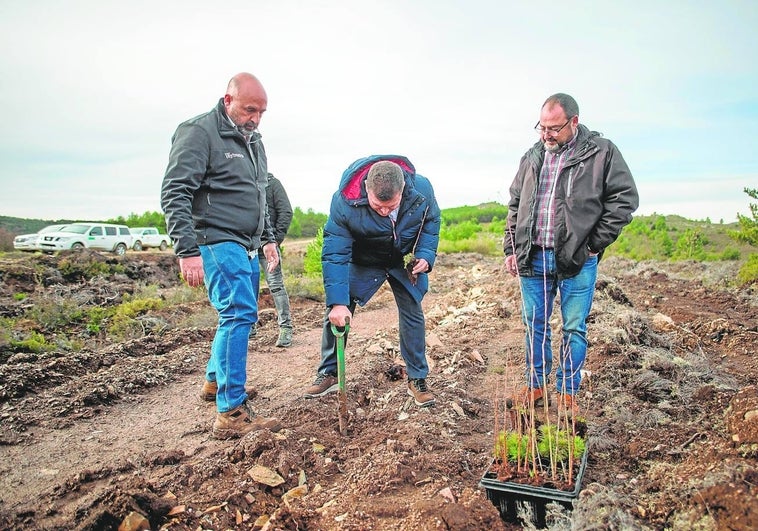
(412, 335)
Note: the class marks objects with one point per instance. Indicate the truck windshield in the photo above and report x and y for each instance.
(78, 229)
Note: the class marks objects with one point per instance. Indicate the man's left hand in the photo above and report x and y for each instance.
(422, 266)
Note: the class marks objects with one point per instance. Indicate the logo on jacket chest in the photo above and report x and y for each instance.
(234, 155)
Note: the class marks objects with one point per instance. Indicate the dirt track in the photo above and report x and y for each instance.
(89, 437)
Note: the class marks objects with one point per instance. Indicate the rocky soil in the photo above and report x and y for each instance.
(97, 434)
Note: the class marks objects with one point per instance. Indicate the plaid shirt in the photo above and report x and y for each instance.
(551, 169)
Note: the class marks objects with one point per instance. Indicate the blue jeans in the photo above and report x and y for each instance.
(412, 334)
(275, 281)
(232, 278)
(538, 293)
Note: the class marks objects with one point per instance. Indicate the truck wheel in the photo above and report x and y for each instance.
(77, 246)
(164, 246)
(137, 246)
(120, 249)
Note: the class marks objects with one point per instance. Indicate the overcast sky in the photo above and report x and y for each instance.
(93, 91)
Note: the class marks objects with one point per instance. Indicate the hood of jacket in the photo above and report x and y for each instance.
(352, 185)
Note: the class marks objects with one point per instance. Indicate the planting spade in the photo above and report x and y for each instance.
(341, 396)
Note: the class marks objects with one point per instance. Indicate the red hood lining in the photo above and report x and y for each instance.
(352, 190)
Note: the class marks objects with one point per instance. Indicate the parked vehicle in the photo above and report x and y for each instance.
(28, 242)
(100, 236)
(146, 237)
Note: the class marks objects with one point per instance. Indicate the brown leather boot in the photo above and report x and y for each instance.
(209, 390)
(526, 396)
(421, 394)
(241, 421)
(568, 403)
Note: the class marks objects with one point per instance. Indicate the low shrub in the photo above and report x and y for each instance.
(749, 271)
(123, 323)
(36, 343)
(482, 243)
(312, 260)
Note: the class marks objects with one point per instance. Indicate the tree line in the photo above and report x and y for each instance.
(480, 229)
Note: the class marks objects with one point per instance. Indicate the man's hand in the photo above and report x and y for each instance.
(272, 256)
(421, 266)
(511, 265)
(339, 314)
(192, 270)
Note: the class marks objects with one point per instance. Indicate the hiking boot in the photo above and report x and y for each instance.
(568, 403)
(527, 396)
(209, 390)
(421, 394)
(241, 421)
(285, 338)
(324, 383)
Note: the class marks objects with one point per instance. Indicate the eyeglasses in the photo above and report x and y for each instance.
(550, 130)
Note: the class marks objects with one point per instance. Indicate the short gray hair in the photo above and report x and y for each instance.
(385, 179)
(566, 102)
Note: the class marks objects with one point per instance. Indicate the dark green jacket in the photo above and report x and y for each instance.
(214, 189)
(595, 197)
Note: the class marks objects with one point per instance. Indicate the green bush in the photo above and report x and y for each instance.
(123, 324)
(95, 318)
(460, 231)
(483, 213)
(305, 286)
(691, 245)
(51, 315)
(748, 231)
(73, 269)
(483, 243)
(306, 224)
(35, 343)
(729, 254)
(497, 226)
(749, 271)
(312, 261)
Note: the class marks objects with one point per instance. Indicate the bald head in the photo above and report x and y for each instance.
(244, 83)
(245, 101)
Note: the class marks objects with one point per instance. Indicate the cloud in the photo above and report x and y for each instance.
(95, 92)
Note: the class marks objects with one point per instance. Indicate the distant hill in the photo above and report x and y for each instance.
(18, 226)
(653, 236)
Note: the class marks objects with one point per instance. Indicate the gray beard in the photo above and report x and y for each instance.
(553, 149)
(245, 132)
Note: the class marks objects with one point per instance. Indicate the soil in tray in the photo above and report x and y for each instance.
(509, 473)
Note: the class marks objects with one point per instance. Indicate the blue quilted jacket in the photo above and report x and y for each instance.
(361, 248)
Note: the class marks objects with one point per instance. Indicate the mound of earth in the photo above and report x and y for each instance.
(97, 433)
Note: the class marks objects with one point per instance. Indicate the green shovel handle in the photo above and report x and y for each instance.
(340, 336)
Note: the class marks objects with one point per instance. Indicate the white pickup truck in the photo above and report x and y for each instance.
(146, 237)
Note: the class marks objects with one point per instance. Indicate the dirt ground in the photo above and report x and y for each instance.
(112, 434)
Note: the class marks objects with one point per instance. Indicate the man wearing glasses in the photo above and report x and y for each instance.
(572, 195)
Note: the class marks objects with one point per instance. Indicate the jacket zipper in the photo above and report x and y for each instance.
(570, 182)
(252, 158)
